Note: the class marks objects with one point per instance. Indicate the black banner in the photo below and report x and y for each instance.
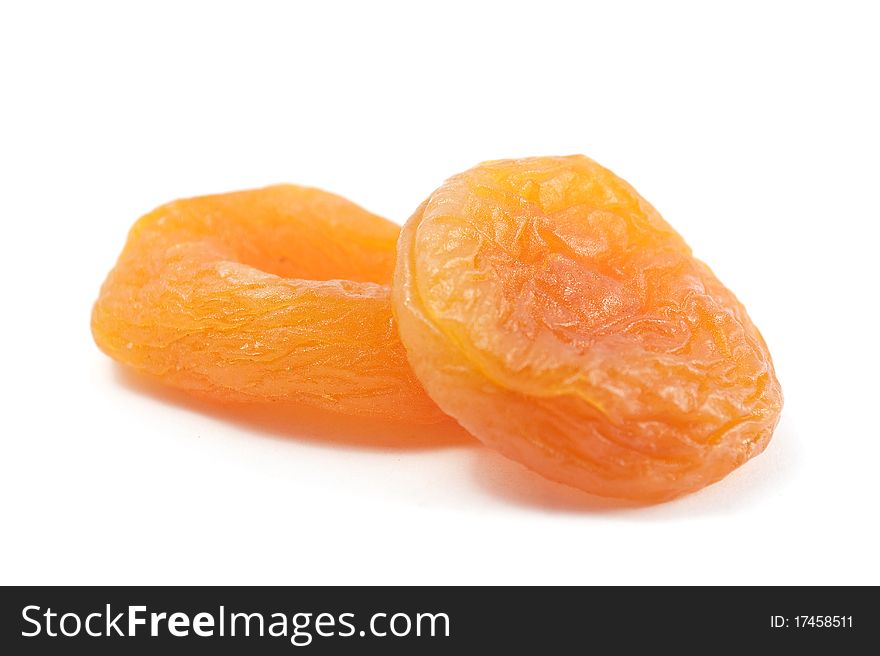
(278, 620)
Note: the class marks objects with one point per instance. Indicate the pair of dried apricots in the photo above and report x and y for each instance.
(540, 302)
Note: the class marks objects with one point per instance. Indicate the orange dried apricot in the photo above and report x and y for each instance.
(270, 295)
(550, 309)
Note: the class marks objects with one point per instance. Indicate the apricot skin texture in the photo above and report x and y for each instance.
(551, 310)
(273, 295)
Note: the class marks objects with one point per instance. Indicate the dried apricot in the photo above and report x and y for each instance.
(276, 294)
(552, 311)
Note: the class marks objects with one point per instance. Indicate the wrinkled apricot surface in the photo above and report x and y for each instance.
(552, 311)
(278, 294)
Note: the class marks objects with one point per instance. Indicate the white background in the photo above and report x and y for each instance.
(754, 131)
